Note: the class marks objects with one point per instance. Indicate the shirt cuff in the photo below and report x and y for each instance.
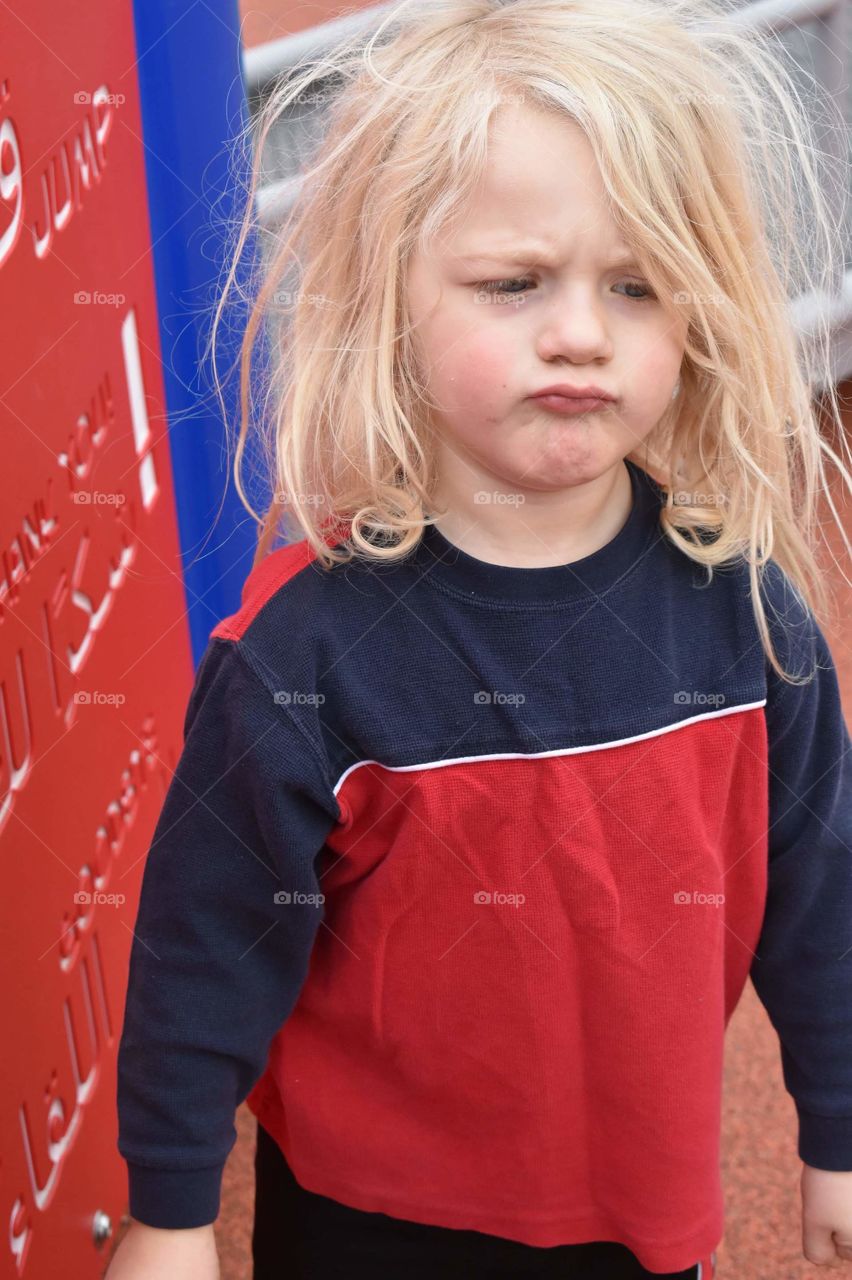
(825, 1142)
(174, 1198)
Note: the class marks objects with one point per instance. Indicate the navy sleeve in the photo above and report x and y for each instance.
(229, 909)
(802, 971)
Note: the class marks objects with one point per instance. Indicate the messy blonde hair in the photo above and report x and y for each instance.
(709, 156)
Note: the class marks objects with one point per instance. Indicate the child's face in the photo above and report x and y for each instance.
(574, 321)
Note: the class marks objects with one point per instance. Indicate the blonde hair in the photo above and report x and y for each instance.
(709, 155)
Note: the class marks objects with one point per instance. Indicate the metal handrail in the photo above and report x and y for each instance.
(264, 62)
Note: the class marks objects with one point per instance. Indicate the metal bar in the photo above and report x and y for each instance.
(780, 15)
(192, 99)
(264, 62)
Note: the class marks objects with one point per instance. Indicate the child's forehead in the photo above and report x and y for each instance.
(522, 249)
(539, 201)
(496, 239)
(530, 139)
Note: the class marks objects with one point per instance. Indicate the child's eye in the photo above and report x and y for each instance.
(644, 292)
(506, 286)
(503, 286)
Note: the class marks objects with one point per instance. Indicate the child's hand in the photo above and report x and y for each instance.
(149, 1253)
(826, 1216)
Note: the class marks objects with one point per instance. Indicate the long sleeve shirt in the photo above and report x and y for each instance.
(460, 876)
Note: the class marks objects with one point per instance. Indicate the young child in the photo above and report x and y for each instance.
(528, 751)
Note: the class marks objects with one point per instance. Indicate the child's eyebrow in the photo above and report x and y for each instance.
(519, 255)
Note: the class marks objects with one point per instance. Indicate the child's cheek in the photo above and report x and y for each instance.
(479, 367)
(653, 373)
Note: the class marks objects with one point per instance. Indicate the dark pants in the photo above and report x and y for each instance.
(299, 1235)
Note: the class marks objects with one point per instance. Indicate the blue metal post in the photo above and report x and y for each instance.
(193, 104)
